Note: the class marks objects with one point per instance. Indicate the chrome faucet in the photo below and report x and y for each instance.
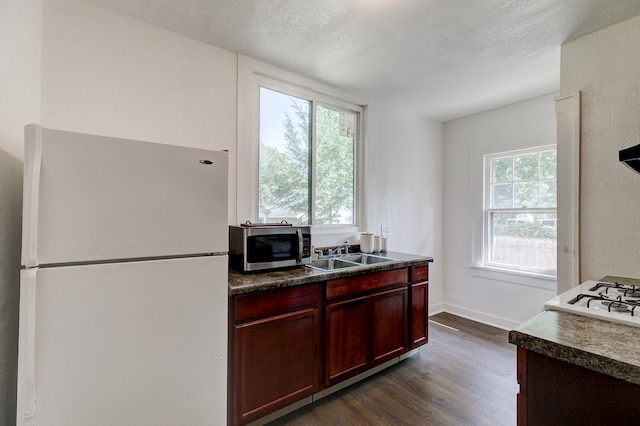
(345, 247)
(335, 251)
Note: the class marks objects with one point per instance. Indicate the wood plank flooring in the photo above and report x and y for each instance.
(465, 375)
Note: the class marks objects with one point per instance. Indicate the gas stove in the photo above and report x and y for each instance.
(611, 301)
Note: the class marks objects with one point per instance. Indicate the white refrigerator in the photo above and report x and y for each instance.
(123, 292)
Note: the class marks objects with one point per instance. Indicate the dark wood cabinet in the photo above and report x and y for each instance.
(419, 334)
(290, 343)
(389, 320)
(555, 392)
(346, 331)
(276, 351)
(419, 320)
(366, 322)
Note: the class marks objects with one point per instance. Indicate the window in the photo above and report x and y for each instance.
(307, 159)
(520, 210)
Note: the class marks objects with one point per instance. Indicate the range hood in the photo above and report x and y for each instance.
(631, 157)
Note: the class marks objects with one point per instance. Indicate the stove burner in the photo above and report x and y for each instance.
(625, 290)
(605, 300)
(617, 304)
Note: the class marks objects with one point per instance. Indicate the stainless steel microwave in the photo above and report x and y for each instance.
(259, 248)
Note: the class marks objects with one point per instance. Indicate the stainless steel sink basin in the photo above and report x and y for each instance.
(366, 259)
(348, 261)
(332, 263)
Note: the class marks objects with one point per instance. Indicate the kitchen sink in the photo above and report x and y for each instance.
(366, 259)
(348, 261)
(332, 263)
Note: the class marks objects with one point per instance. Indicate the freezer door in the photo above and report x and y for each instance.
(141, 343)
(92, 198)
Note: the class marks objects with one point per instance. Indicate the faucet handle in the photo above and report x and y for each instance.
(345, 247)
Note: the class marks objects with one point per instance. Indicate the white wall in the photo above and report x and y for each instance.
(490, 300)
(20, 48)
(71, 65)
(108, 74)
(403, 178)
(605, 67)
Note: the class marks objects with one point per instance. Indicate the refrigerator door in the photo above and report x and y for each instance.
(91, 198)
(137, 343)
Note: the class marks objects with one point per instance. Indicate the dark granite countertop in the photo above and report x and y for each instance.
(247, 283)
(603, 346)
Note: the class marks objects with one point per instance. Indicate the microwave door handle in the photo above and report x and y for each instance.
(300, 242)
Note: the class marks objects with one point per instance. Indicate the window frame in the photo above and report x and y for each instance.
(479, 216)
(317, 100)
(252, 73)
(488, 210)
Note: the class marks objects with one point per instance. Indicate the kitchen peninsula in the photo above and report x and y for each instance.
(297, 335)
(574, 369)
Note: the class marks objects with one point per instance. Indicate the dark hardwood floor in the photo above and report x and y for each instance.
(465, 375)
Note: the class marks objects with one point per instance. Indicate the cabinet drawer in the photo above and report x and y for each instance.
(261, 304)
(419, 273)
(366, 283)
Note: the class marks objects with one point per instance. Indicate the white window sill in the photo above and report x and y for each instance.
(529, 279)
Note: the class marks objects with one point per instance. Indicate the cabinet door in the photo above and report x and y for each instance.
(419, 314)
(555, 392)
(389, 324)
(346, 335)
(276, 363)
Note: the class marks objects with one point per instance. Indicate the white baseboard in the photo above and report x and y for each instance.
(492, 320)
(436, 309)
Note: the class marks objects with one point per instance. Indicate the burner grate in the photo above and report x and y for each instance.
(609, 301)
(617, 304)
(625, 290)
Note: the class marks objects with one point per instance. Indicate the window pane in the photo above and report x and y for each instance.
(525, 167)
(525, 194)
(548, 193)
(502, 196)
(523, 235)
(524, 240)
(284, 184)
(502, 169)
(335, 166)
(548, 164)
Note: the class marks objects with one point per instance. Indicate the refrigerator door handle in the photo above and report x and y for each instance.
(26, 344)
(33, 162)
(300, 246)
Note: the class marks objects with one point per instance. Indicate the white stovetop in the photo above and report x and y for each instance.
(561, 303)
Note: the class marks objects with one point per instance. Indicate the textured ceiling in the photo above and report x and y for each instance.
(443, 59)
